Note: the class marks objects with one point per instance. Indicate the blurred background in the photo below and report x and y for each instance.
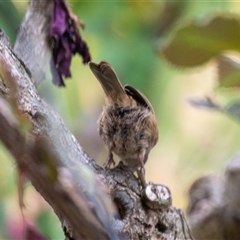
(127, 34)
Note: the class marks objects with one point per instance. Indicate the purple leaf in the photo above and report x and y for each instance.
(67, 42)
(33, 234)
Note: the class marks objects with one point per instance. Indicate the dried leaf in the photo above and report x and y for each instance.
(67, 42)
(232, 110)
(206, 102)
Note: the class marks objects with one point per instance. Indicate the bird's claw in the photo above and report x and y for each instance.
(109, 161)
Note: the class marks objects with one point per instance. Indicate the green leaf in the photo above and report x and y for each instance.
(49, 225)
(233, 110)
(197, 43)
(228, 71)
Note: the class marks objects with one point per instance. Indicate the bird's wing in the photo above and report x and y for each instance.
(138, 96)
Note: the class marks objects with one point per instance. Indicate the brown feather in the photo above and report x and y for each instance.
(107, 77)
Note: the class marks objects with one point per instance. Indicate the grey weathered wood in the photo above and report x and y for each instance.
(48, 125)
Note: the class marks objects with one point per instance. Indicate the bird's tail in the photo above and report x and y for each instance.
(107, 77)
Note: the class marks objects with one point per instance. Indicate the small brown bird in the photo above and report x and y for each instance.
(127, 125)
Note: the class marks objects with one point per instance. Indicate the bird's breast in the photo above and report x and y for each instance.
(127, 129)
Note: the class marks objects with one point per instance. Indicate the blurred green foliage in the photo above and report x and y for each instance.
(128, 35)
(49, 226)
(197, 43)
(10, 24)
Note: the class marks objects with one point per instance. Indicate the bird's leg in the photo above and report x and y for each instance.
(141, 170)
(141, 176)
(110, 159)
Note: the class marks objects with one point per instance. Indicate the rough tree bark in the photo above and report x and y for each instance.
(81, 192)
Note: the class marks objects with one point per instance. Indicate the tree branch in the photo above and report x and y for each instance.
(66, 151)
(84, 209)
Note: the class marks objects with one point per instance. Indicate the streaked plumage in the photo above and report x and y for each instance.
(127, 125)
